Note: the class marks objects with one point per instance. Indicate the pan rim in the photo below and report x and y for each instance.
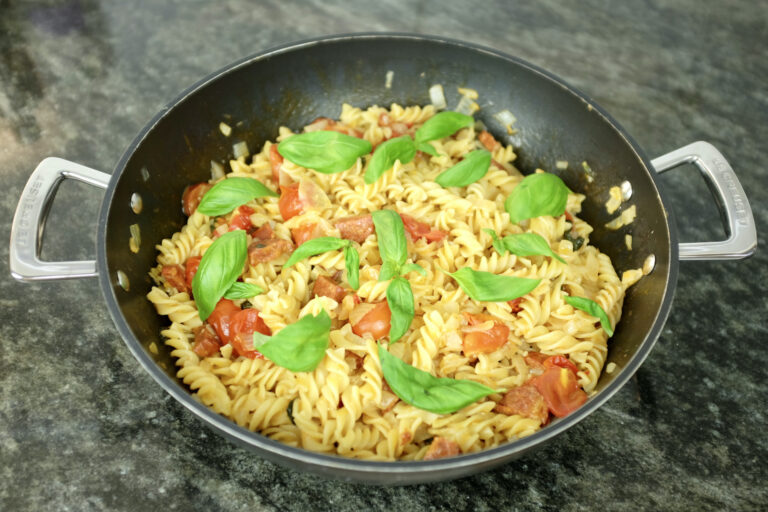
(355, 468)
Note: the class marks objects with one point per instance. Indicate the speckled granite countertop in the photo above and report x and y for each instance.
(83, 427)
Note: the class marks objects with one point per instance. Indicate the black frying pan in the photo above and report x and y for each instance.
(295, 84)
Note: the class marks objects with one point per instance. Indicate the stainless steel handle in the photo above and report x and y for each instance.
(731, 199)
(29, 221)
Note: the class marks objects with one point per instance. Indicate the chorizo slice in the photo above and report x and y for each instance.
(525, 401)
(262, 251)
(441, 448)
(356, 228)
(327, 287)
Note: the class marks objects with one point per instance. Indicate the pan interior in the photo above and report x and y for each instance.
(293, 87)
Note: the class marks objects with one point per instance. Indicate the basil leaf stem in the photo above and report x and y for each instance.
(537, 195)
(327, 152)
(488, 287)
(352, 264)
(400, 302)
(387, 153)
(591, 308)
(230, 193)
(474, 166)
(314, 247)
(523, 244)
(442, 125)
(300, 346)
(421, 389)
(393, 246)
(219, 268)
(240, 290)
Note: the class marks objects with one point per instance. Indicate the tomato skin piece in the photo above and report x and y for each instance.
(242, 326)
(562, 362)
(560, 390)
(276, 161)
(289, 203)
(174, 276)
(192, 196)
(421, 229)
(190, 269)
(375, 322)
(488, 140)
(483, 342)
(221, 318)
(515, 305)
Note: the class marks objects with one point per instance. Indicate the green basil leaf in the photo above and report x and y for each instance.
(525, 244)
(219, 268)
(389, 269)
(327, 152)
(426, 147)
(393, 246)
(400, 302)
(413, 267)
(537, 195)
(300, 346)
(400, 148)
(472, 168)
(240, 290)
(498, 243)
(230, 193)
(592, 308)
(442, 125)
(488, 287)
(314, 247)
(421, 389)
(352, 263)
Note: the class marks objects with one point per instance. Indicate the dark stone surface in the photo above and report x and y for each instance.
(82, 427)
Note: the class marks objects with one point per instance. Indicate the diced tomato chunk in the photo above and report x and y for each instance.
(487, 140)
(560, 390)
(356, 228)
(568, 217)
(306, 232)
(482, 342)
(562, 362)
(441, 448)
(190, 268)
(276, 161)
(326, 287)
(421, 229)
(192, 196)
(242, 220)
(242, 326)
(174, 276)
(525, 401)
(289, 202)
(264, 232)
(262, 251)
(221, 317)
(375, 322)
(207, 343)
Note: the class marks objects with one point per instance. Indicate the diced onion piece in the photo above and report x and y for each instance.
(135, 240)
(240, 149)
(614, 200)
(217, 171)
(153, 348)
(467, 106)
(225, 129)
(388, 80)
(470, 93)
(484, 326)
(359, 312)
(628, 241)
(626, 217)
(561, 165)
(626, 190)
(137, 203)
(122, 280)
(610, 368)
(506, 118)
(588, 171)
(312, 196)
(437, 97)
